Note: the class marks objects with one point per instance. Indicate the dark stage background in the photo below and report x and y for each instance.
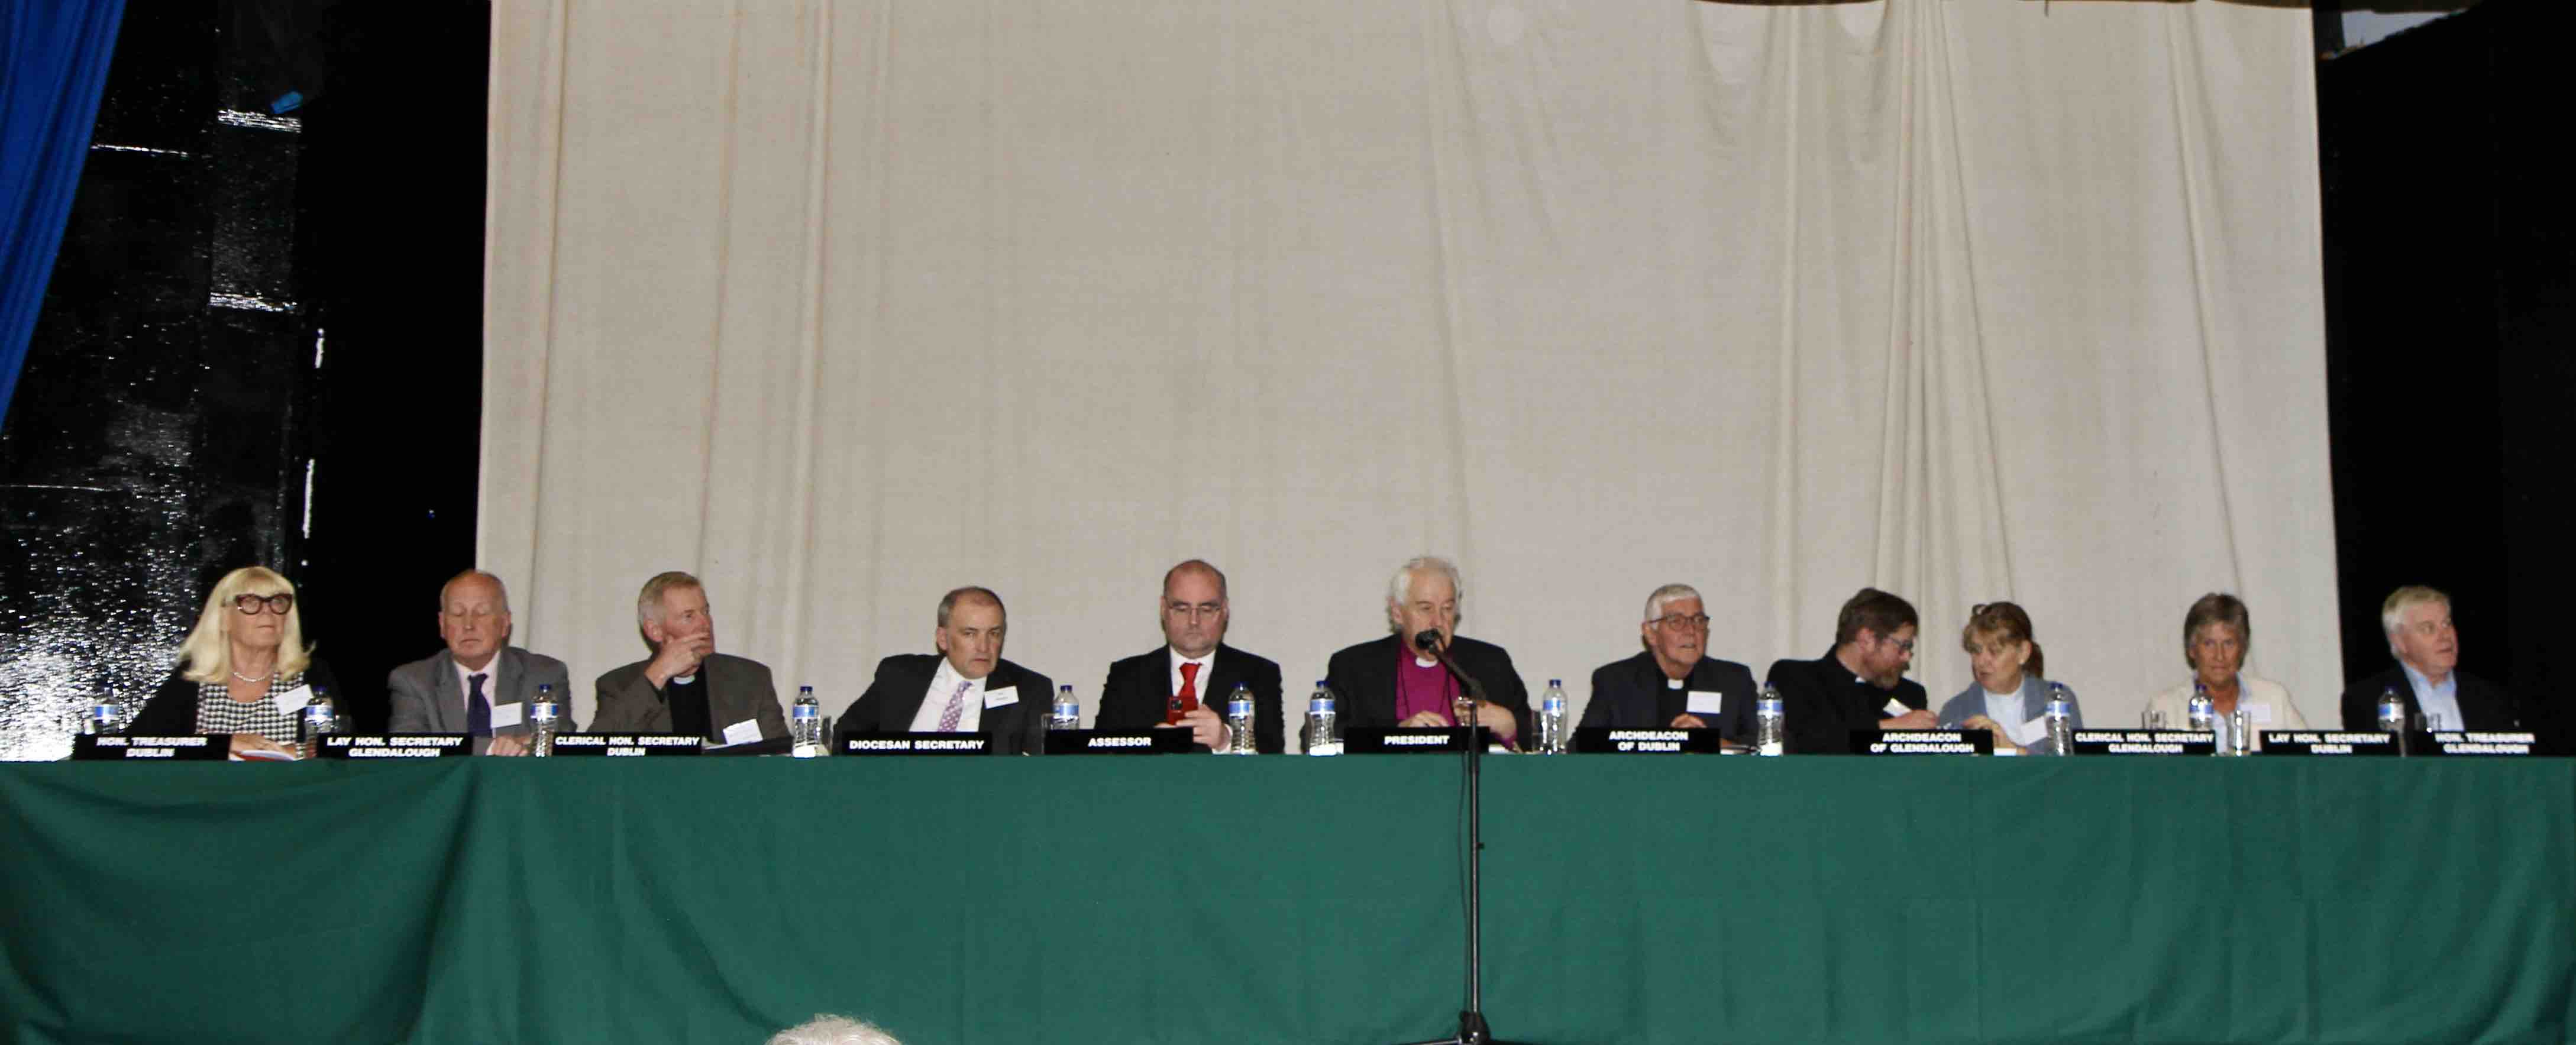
(241, 303)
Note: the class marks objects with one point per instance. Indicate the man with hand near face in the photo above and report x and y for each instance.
(1390, 682)
(1860, 684)
(1674, 684)
(479, 685)
(1185, 684)
(2427, 674)
(687, 687)
(966, 688)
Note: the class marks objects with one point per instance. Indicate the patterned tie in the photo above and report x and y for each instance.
(956, 707)
(478, 710)
(1187, 700)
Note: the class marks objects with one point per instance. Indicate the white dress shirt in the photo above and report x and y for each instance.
(2431, 700)
(491, 673)
(1207, 667)
(934, 703)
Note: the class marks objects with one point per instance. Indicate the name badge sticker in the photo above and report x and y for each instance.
(2260, 713)
(1703, 702)
(1003, 697)
(510, 714)
(291, 703)
(1896, 707)
(743, 732)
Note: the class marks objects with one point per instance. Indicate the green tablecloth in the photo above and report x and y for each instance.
(1200, 899)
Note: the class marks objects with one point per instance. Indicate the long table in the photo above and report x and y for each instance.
(1285, 899)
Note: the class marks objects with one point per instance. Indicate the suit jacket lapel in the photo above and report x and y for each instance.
(906, 700)
(505, 681)
(446, 702)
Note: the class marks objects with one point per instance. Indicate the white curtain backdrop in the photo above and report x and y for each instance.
(843, 304)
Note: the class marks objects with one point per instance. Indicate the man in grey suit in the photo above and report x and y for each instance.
(479, 684)
(687, 687)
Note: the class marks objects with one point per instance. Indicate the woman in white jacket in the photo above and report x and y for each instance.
(2215, 636)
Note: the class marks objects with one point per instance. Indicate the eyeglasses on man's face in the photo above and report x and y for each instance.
(1682, 621)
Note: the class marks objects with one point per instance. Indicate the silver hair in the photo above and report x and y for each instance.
(1666, 596)
(504, 589)
(1397, 586)
(833, 1030)
(2392, 613)
(970, 593)
(648, 603)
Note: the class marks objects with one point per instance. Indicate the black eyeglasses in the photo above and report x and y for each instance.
(277, 604)
(1682, 622)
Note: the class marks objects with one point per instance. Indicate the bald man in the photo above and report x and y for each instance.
(1185, 683)
(440, 694)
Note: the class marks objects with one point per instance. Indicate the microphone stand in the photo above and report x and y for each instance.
(1471, 1021)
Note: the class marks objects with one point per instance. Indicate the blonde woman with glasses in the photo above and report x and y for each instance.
(239, 669)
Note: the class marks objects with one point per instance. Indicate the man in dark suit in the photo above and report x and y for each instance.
(967, 688)
(1860, 683)
(2426, 675)
(1181, 684)
(478, 685)
(1674, 684)
(1390, 683)
(687, 687)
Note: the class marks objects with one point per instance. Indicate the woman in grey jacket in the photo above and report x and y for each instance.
(2010, 696)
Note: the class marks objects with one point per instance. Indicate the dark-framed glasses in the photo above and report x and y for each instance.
(1682, 622)
(277, 604)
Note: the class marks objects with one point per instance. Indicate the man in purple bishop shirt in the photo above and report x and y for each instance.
(1391, 682)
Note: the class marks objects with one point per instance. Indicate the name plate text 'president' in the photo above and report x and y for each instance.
(1403, 740)
(1604, 740)
(1922, 742)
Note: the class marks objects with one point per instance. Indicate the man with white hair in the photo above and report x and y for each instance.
(687, 687)
(1392, 682)
(480, 685)
(1673, 684)
(2427, 676)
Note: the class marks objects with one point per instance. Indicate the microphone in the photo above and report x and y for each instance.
(1428, 641)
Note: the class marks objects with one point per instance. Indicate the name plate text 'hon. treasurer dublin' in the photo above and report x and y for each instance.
(628, 745)
(916, 744)
(152, 749)
(1922, 742)
(2145, 742)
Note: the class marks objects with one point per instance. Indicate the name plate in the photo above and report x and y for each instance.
(2325, 742)
(627, 745)
(2472, 745)
(152, 749)
(1603, 740)
(917, 744)
(1401, 740)
(398, 745)
(1119, 742)
(2144, 742)
(1922, 742)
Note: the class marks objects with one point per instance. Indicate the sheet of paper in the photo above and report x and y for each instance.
(743, 732)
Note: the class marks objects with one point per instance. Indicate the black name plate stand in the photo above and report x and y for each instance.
(1604, 740)
(152, 749)
(2144, 742)
(398, 745)
(2330, 742)
(1401, 740)
(1922, 742)
(1119, 742)
(916, 744)
(628, 745)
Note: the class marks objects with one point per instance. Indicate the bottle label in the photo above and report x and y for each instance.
(807, 711)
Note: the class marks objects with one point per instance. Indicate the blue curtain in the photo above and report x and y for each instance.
(53, 65)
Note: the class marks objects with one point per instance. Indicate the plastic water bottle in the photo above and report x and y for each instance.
(805, 724)
(1770, 724)
(544, 714)
(106, 718)
(1551, 719)
(320, 718)
(1066, 712)
(2061, 719)
(1323, 732)
(1238, 721)
(2392, 711)
(2202, 715)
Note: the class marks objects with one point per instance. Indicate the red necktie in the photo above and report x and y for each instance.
(1187, 700)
